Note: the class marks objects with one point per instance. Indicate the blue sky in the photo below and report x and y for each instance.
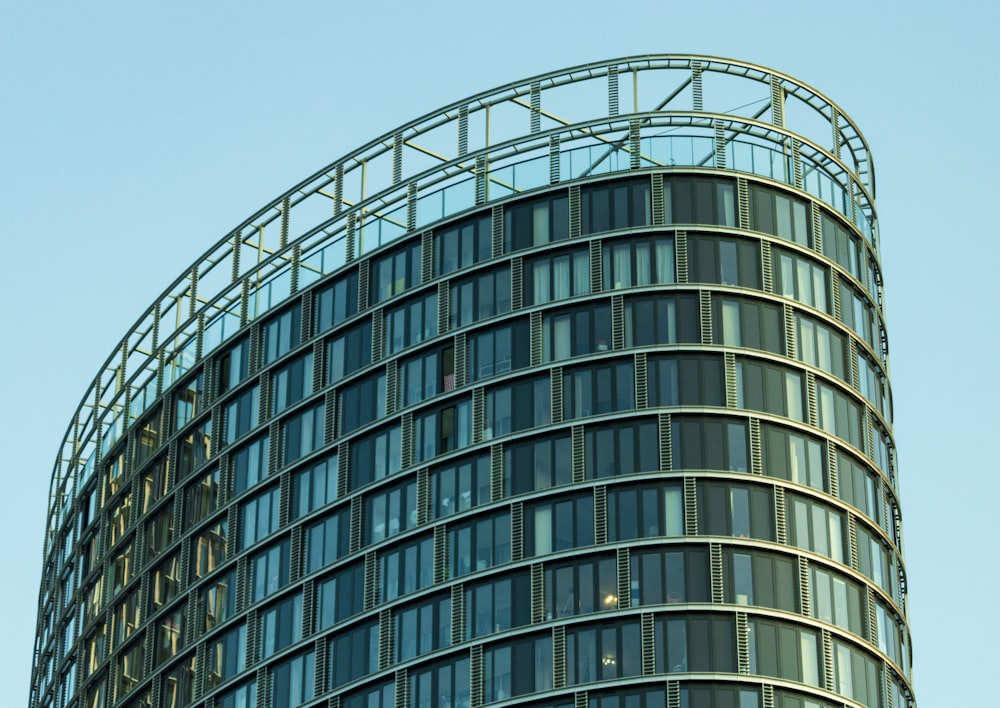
(134, 135)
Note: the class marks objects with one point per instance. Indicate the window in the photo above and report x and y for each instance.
(302, 433)
(558, 276)
(446, 683)
(695, 642)
(410, 323)
(426, 375)
(664, 319)
(406, 568)
(178, 683)
(793, 456)
(340, 596)
(836, 600)
(785, 651)
(459, 486)
(130, 671)
(815, 527)
(710, 443)
(349, 351)
(165, 583)
(874, 562)
(607, 651)
(873, 386)
(640, 261)
(686, 380)
(598, 388)
(761, 578)
(498, 350)
(670, 576)
(269, 570)
(155, 484)
(821, 346)
(293, 681)
(743, 322)
(743, 511)
(559, 524)
(522, 404)
(574, 332)
(201, 498)
(587, 584)
(394, 272)
(479, 296)
(888, 633)
(353, 654)
(615, 205)
(370, 696)
(856, 674)
(219, 600)
(194, 448)
(840, 245)
(159, 532)
(226, 655)
(840, 414)
(244, 696)
(859, 487)
(282, 332)
(374, 456)
(390, 511)
(259, 516)
(770, 388)
(208, 549)
(518, 667)
(336, 302)
(619, 449)
(291, 383)
(479, 544)
(801, 279)
(857, 314)
(234, 365)
(775, 213)
(423, 627)
(442, 430)
(362, 401)
(699, 200)
(280, 625)
(169, 634)
(189, 401)
(146, 438)
(536, 222)
(644, 511)
(250, 464)
(537, 463)
(463, 244)
(328, 540)
(126, 619)
(497, 605)
(694, 695)
(315, 486)
(242, 413)
(726, 261)
(118, 517)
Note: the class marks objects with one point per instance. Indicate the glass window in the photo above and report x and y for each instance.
(282, 332)
(242, 413)
(856, 674)
(165, 583)
(859, 487)
(463, 244)
(710, 443)
(244, 696)
(411, 322)
(423, 627)
(383, 694)
(478, 297)
(208, 549)
(722, 260)
(146, 438)
(793, 456)
(497, 605)
(699, 200)
(770, 388)
(663, 319)
(155, 484)
(840, 414)
(315, 486)
(686, 380)
(615, 205)
(280, 625)
(362, 401)
(178, 683)
(226, 655)
(375, 456)
(761, 578)
(873, 386)
(743, 511)
(875, 562)
(775, 213)
(537, 463)
(349, 351)
(390, 511)
(559, 524)
(598, 388)
(159, 532)
(407, 567)
(201, 498)
(836, 599)
(126, 618)
(293, 681)
(302, 433)
(130, 667)
(644, 511)
(479, 544)
(536, 222)
(394, 272)
(695, 642)
(859, 315)
(194, 448)
(459, 486)
(557, 276)
(523, 404)
(498, 350)
(169, 634)
(785, 651)
(427, 375)
(815, 527)
(443, 430)
(609, 650)
(353, 654)
(336, 302)
(269, 570)
(640, 261)
(670, 576)
(619, 449)
(250, 464)
(799, 278)
(518, 667)
(694, 695)
(446, 683)
(744, 322)
(189, 401)
(584, 585)
(291, 383)
(821, 346)
(259, 516)
(219, 600)
(328, 540)
(340, 596)
(234, 365)
(573, 332)
(840, 245)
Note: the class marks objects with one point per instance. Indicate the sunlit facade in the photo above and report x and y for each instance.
(570, 394)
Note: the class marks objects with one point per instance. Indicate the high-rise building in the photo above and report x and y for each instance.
(570, 394)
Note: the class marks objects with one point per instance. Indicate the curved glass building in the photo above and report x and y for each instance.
(571, 394)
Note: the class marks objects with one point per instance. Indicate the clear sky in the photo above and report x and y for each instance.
(135, 135)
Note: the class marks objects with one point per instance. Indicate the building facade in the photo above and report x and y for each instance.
(569, 394)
